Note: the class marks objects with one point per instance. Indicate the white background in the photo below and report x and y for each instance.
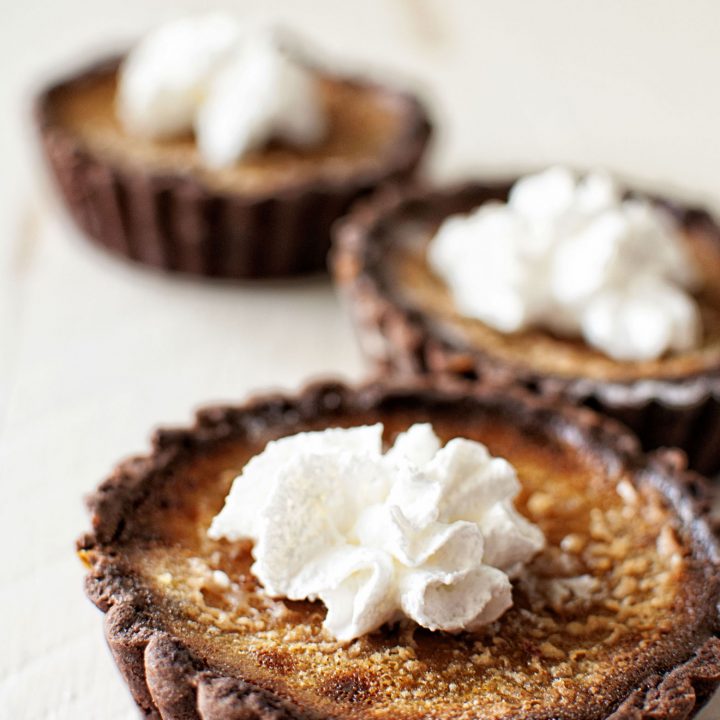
(94, 353)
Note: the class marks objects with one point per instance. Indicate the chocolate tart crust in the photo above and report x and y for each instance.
(169, 681)
(681, 412)
(175, 222)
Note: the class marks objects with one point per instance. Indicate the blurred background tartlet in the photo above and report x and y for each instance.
(411, 320)
(235, 167)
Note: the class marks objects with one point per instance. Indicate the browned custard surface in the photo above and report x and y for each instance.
(409, 278)
(364, 123)
(600, 608)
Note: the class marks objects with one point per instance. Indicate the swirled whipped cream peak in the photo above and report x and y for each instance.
(421, 531)
(234, 91)
(574, 256)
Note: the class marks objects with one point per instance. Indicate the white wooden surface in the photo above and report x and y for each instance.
(94, 353)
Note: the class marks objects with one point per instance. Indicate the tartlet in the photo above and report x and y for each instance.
(155, 202)
(616, 618)
(408, 324)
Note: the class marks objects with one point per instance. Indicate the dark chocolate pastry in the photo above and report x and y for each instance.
(268, 215)
(408, 324)
(616, 618)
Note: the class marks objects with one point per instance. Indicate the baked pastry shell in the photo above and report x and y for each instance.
(175, 222)
(169, 681)
(682, 412)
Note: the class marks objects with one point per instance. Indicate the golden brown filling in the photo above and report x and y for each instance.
(414, 283)
(364, 124)
(600, 606)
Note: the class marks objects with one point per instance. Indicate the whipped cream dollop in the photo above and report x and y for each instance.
(575, 257)
(203, 75)
(421, 531)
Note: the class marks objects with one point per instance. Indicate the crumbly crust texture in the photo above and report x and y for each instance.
(677, 411)
(171, 680)
(176, 221)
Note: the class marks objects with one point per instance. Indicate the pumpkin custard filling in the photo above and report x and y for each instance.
(614, 614)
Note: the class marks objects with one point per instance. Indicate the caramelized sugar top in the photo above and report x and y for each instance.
(603, 606)
(413, 283)
(364, 124)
